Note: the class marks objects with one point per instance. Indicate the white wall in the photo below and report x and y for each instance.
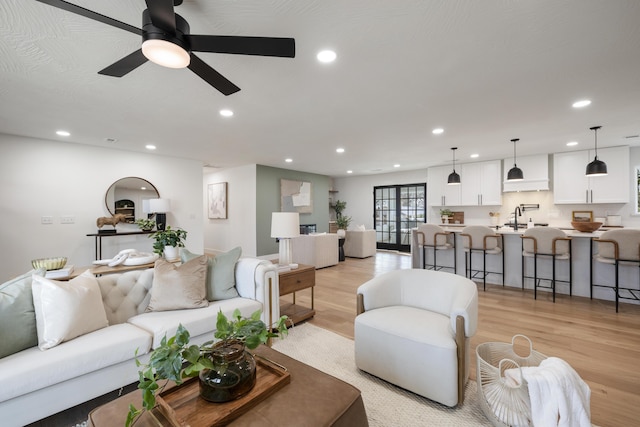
(239, 229)
(50, 178)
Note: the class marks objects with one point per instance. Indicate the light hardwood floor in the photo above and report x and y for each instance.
(602, 346)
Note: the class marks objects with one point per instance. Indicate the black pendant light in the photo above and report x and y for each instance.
(515, 173)
(597, 167)
(454, 178)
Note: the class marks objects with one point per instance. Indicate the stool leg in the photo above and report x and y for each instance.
(617, 285)
(570, 268)
(435, 263)
(553, 277)
(535, 276)
(484, 270)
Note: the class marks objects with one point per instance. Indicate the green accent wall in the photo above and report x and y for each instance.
(268, 201)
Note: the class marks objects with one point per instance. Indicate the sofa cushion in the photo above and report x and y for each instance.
(28, 370)
(17, 316)
(178, 287)
(66, 310)
(198, 321)
(221, 283)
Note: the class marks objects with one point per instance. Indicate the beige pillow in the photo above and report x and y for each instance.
(177, 287)
(66, 310)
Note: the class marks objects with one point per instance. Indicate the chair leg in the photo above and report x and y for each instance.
(484, 270)
(553, 277)
(616, 289)
(535, 276)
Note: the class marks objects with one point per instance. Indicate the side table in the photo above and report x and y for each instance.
(291, 281)
(341, 248)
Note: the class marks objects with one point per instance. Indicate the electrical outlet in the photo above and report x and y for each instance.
(67, 219)
(46, 220)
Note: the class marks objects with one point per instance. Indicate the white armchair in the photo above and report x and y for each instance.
(413, 330)
(319, 250)
(360, 243)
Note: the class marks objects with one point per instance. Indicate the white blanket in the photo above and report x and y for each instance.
(559, 397)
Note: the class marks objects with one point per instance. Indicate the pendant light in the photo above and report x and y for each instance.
(597, 167)
(454, 178)
(515, 173)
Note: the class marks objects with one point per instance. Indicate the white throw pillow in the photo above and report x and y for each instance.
(361, 227)
(66, 310)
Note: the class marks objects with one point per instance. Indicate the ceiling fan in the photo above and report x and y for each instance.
(166, 41)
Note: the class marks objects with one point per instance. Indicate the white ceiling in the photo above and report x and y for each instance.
(486, 71)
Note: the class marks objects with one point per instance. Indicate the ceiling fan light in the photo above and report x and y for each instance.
(165, 53)
(515, 174)
(596, 168)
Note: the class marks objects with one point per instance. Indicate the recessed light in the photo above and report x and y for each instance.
(150, 147)
(288, 160)
(226, 113)
(326, 56)
(437, 131)
(349, 171)
(474, 155)
(582, 103)
(572, 143)
(396, 165)
(111, 140)
(339, 150)
(62, 133)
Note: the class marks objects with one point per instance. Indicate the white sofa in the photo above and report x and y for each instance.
(319, 250)
(35, 384)
(360, 243)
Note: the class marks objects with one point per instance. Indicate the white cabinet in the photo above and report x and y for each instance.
(535, 170)
(571, 186)
(439, 193)
(481, 184)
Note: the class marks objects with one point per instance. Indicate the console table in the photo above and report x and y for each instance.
(98, 238)
(291, 281)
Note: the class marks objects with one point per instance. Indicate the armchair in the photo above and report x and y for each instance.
(360, 243)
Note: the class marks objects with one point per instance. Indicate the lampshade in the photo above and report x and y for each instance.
(285, 225)
(159, 205)
(454, 178)
(145, 206)
(596, 167)
(165, 53)
(515, 173)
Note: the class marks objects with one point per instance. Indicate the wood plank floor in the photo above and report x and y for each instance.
(602, 346)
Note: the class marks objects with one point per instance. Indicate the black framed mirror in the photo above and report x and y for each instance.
(127, 196)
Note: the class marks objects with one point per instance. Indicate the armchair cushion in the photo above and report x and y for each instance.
(319, 250)
(360, 243)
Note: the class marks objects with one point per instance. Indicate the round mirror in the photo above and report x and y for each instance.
(128, 196)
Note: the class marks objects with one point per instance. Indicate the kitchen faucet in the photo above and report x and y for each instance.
(516, 214)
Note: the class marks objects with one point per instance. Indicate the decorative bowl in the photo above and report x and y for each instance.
(586, 226)
(55, 263)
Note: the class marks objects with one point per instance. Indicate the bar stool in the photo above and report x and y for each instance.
(618, 248)
(435, 237)
(546, 242)
(479, 238)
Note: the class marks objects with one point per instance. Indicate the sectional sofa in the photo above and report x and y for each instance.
(36, 383)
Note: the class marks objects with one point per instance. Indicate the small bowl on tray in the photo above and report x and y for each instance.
(55, 263)
(586, 226)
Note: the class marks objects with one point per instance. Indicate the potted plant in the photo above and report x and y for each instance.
(342, 221)
(174, 360)
(446, 214)
(168, 241)
(145, 224)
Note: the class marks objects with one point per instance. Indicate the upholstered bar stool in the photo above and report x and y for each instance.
(618, 248)
(550, 243)
(434, 237)
(481, 239)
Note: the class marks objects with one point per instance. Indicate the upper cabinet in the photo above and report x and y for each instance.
(439, 193)
(481, 184)
(535, 170)
(572, 186)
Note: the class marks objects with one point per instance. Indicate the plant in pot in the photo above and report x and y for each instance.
(342, 221)
(145, 224)
(225, 368)
(168, 241)
(446, 215)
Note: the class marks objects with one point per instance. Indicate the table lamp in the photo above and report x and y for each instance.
(284, 226)
(160, 207)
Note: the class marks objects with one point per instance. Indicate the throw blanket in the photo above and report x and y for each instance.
(559, 397)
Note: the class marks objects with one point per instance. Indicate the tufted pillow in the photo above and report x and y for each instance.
(66, 310)
(17, 317)
(221, 273)
(178, 287)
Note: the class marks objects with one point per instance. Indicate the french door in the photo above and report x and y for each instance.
(398, 209)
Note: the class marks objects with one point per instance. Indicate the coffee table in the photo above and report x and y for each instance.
(312, 398)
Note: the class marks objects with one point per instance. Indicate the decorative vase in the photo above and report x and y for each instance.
(233, 375)
(170, 252)
(341, 232)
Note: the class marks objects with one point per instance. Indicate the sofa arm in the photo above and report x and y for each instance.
(258, 279)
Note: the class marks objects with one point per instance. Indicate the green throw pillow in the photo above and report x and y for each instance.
(221, 273)
(17, 316)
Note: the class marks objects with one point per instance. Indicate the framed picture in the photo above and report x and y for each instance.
(295, 196)
(582, 216)
(217, 200)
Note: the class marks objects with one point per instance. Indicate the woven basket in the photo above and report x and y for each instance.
(504, 404)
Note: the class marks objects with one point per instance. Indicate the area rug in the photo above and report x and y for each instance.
(386, 405)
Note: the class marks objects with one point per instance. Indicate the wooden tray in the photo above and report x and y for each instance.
(183, 406)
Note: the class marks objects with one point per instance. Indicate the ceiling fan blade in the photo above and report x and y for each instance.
(60, 4)
(162, 15)
(125, 65)
(211, 76)
(262, 46)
